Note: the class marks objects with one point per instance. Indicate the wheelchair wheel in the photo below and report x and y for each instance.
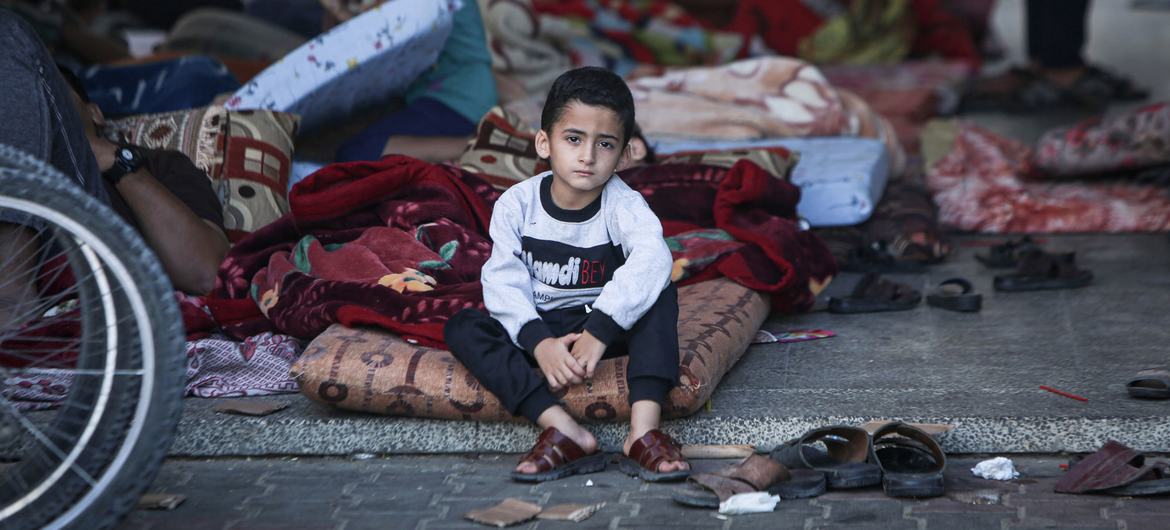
(90, 327)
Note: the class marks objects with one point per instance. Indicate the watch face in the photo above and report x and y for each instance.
(126, 154)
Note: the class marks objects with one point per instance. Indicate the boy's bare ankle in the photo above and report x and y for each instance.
(558, 418)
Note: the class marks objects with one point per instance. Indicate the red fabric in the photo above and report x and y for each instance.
(286, 270)
(784, 24)
(980, 185)
(351, 224)
(754, 207)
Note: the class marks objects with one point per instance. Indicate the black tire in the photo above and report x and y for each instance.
(133, 427)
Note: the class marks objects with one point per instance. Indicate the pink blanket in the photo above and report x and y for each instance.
(979, 185)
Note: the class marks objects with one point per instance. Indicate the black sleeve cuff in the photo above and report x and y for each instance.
(602, 327)
(532, 333)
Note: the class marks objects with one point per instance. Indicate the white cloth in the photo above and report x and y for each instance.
(756, 502)
(998, 468)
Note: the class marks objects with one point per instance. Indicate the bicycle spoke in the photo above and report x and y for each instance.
(47, 443)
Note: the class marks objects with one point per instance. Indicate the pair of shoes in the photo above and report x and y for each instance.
(1036, 269)
(906, 460)
(558, 456)
(874, 294)
(1117, 470)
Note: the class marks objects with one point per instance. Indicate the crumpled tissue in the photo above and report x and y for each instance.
(998, 468)
(756, 502)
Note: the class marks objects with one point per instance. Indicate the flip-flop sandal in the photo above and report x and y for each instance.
(955, 294)
(1039, 270)
(752, 474)
(1150, 384)
(873, 294)
(846, 458)
(648, 452)
(1156, 481)
(1113, 466)
(557, 456)
(1007, 254)
(878, 258)
(911, 461)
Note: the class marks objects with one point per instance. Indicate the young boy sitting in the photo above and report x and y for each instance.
(579, 271)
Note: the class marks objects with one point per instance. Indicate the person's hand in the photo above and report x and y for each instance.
(588, 351)
(103, 151)
(560, 368)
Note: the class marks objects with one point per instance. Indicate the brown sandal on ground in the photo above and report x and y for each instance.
(647, 452)
(752, 474)
(557, 456)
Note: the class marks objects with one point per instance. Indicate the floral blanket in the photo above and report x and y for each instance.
(768, 97)
(981, 185)
(399, 244)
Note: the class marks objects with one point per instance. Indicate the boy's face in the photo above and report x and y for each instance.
(584, 147)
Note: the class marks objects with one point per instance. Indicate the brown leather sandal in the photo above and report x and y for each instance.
(752, 474)
(647, 452)
(557, 456)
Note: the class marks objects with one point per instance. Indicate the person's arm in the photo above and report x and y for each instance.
(507, 294)
(190, 248)
(638, 283)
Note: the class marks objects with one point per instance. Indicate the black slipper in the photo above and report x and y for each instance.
(873, 294)
(1150, 384)
(1007, 254)
(912, 462)
(1039, 270)
(955, 294)
(846, 458)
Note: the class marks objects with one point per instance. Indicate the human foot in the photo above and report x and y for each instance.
(557, 456)
(555, 417)
(664, 466)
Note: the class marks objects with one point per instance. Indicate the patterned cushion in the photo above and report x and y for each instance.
(503, 150)
(374, 371)
(246, 154)
(1125, 141)
(356, 65)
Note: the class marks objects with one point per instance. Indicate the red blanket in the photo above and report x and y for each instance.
(399, 243)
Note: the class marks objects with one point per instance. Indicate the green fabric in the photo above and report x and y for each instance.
(871, 32)
(462, 77)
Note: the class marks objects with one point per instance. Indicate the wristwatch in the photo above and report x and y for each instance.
(126, 160)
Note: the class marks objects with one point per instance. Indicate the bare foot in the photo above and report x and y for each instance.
(557, 417)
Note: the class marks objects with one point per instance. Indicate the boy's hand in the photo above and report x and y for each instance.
(560, 368)
(588, 351)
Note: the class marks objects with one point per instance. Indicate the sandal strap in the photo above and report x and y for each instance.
(757, 471)
(551, 450)
(723, 487)
(653, 448)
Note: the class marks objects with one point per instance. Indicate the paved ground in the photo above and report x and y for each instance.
(429, 492)
(980, 372)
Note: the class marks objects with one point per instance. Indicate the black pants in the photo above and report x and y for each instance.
(1056, 32)
(482, 344)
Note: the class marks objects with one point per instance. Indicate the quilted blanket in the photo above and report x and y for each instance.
(769, 97)
(980, 185)
(399, 243)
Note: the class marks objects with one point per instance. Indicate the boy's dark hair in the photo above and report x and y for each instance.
(74, 83)
(593, 86)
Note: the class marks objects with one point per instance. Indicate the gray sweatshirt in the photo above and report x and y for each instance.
(608, 256)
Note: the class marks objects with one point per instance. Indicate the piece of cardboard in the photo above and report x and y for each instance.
(718, 451)
(570, 512)
(251, 407)
(508, 512)
(160, 501)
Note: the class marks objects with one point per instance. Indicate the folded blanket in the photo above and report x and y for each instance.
(770, 97)
(399, 243)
